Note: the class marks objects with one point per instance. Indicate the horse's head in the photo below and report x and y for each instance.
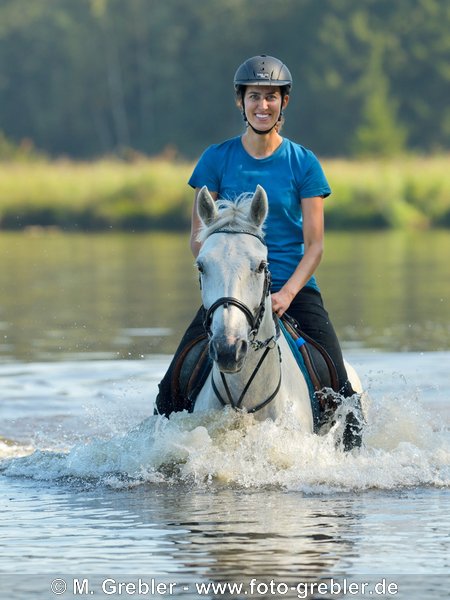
(234, 278)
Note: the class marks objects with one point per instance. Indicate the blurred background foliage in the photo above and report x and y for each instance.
(105, 104)
(87, 78)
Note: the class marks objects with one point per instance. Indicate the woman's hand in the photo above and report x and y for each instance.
(281, 301)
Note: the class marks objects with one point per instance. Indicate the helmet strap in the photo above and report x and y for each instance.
(259, 131)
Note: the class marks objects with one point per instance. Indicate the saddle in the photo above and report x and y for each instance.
(190, 372)
(194, 364)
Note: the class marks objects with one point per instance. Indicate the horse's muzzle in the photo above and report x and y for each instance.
(228, 356)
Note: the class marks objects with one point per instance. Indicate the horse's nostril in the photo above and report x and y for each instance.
(241, 349)
(213, 351)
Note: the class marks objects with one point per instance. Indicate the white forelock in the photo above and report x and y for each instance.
(233, 215)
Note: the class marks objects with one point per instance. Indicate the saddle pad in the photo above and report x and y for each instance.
(315, 407)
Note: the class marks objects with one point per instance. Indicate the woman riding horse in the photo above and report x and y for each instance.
(294, 232)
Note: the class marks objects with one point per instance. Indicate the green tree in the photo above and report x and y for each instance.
(90, 77)
(380, 133)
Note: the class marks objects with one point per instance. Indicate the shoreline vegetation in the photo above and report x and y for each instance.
(407, 192)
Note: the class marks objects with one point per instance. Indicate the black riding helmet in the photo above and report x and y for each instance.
(262, 70)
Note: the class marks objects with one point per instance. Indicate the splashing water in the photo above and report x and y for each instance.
(404, 445)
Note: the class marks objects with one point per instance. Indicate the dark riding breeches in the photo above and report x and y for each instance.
(307, 309)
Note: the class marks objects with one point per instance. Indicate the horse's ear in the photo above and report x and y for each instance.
(206, 207)
(259, 206)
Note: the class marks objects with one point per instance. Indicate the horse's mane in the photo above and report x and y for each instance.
(233, 216)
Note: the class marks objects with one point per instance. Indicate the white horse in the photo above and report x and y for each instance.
(254, 368)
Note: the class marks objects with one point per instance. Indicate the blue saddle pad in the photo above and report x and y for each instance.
(293, 345)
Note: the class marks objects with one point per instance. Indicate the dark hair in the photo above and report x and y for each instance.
(240, 90)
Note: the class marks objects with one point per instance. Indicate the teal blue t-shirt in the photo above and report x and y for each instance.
(290, 174)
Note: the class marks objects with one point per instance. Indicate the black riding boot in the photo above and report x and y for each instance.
(333, 403)
(308, 310)
(167, 401)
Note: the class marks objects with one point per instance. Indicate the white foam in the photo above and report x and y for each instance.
(405, 445)
(12, 449)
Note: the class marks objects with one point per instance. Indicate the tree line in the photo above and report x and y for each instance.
(84, 78)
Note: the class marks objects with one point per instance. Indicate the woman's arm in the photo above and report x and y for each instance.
(196, 224)
(313, 233)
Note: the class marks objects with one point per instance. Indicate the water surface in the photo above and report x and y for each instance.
(128, 295)
(93, 486)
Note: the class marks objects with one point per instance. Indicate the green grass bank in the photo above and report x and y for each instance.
(407, 192)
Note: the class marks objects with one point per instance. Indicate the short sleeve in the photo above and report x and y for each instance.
(206, 171)
(314, 182)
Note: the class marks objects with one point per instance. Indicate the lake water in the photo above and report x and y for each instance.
(96, 492)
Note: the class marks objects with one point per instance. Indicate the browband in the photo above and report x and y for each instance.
(256, 235)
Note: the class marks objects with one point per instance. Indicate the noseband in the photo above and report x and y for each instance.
(254, 319)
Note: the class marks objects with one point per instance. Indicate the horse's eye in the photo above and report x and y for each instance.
(200, 267)
(262, 266)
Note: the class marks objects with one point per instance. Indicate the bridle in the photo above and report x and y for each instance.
(237, 405)
(254, 320)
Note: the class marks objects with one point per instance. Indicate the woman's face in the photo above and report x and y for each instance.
(263, 105)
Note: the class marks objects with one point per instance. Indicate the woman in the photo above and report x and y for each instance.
(296, 188)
